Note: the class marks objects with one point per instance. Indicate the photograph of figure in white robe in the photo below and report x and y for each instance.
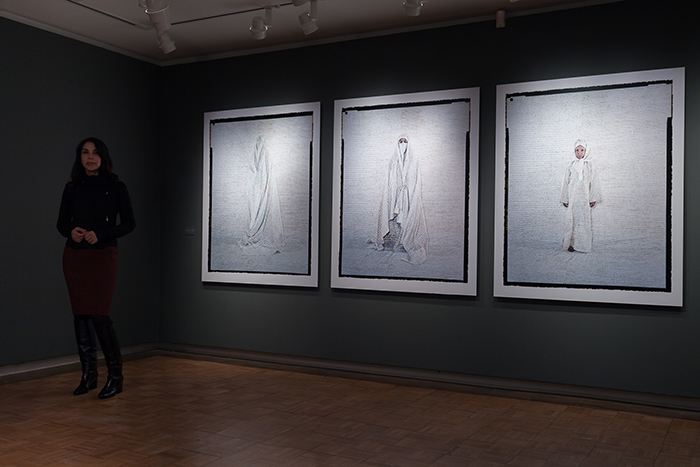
(265, 227)
(580, 192)
(401, 225)
(404, 191)
(611, 209)
(260, 212)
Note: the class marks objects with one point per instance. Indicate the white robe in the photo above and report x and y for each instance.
(402, 201)
(265, 215)
(579, 189)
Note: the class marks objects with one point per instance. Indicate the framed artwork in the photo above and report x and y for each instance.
(589, 189)
(405, 192)
(260, 195)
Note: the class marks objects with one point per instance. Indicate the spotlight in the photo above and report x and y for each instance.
(166, 43)
(261, 25)
(308, 25)
(258, 29)
(308, 20)
(159, 16)
(412, 7)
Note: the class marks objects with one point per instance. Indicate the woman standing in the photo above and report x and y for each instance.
(91, 203)
(580, 192)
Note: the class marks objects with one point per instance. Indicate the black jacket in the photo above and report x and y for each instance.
(93, 203)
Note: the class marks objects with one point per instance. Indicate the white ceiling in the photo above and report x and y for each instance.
(206, 29)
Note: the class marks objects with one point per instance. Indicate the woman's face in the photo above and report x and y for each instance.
(403, 144)
(90, 159)
(580, 151)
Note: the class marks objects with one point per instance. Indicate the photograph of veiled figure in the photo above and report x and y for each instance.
(589, 189)
(261, 208)
(406, 214)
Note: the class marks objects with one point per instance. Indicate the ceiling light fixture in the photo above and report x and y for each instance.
(165, 43)
(307, 20)
(159, 16)
(412, 7)
(261, 25)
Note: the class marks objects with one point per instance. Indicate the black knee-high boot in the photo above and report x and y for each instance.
(113, 356)
(87, 351)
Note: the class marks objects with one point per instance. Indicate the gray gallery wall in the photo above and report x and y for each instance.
(631, 348)
(54, 92)
(634, 348)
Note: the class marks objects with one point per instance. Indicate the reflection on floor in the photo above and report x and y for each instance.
(180, 412)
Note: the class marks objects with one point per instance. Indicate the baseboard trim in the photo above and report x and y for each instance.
(55, 366)
(681, 407)
(654, 404)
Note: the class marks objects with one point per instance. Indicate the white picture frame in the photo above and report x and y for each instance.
(632, 125)
(260, 195)
(433, 249)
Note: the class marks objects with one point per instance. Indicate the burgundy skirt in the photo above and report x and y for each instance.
(90, 276)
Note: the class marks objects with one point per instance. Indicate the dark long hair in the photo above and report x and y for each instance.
(105, 169)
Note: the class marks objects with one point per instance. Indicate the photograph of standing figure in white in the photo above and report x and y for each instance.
(580, 193)
(405, 192)
(265, 217)
(401, 225)
(598, 219)
(259, 212)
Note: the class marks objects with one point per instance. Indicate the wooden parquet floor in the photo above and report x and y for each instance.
(180, 412)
